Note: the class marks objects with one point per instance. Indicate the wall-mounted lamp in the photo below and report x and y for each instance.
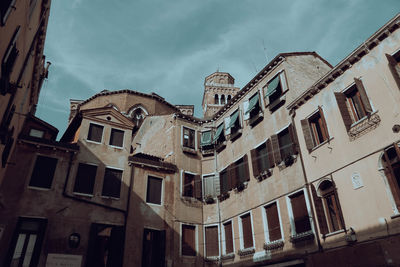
(74, 240)
(351, 236)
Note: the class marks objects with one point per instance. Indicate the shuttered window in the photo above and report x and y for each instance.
(211, 185)
(247, 232)
(95, 133)
(85, 178)
(188, 138)
(43, 172)
(315, 130)
(391, 163)
(154, 189)
(285, 143)
(212, 243)
(228, 237)
(274, 228)
(241, 168)
(262, 158)
(8, 61)
(394, 66)
(300, 213)
(188, 240)
(112, 183)
(225, 184)
(188, 184)
(117, 138)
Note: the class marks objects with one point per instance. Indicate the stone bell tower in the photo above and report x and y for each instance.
(218, 90)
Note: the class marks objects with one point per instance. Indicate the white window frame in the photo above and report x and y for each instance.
(195, 137)
(265, 220)
(290, 211)
(241, 241)
(219, 241)
(123, 139)
(215, 176)
(162, 190)
(122, 180)
(102, 134)
(95, 178)
(196, 233)
(224, 238)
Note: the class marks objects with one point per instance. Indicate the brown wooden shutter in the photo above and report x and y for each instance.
(274, 227)
(197, 187)
(232, 176)
(339, 208)
(247, 232)
(228, 238)
(325, 126)
(300, 213)
(270, 153)
(363, 95)
(246, 168)
(275, 148)
(221, 182)
(293, 137)
(341, 100)
(392, 66)
(254, 162)
(307, 134)
(211, 234)
(188, 240)
(319, 210)
(391, 179)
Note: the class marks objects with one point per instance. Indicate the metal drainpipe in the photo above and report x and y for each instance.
(320, 248)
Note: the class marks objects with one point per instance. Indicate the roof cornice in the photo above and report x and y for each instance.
(347, 62)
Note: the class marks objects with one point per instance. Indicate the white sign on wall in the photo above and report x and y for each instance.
(63, 260)
(356, 180)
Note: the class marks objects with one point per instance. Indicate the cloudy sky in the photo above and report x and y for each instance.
(169, 47)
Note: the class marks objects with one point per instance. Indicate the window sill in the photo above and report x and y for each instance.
(117, 147)
(236, 135)
(154, 204)
(212, 258)
(246, 252)
(364, 125)
(39, 188)
(334, 233)
(277, 103)
(289, 161)
(309, 235)
(93, 142)
(223, 196)
(264, 175)
(394, 216)
(207, 151)
(253, 121)
(189, 150)
(219, 147)
(323, 143)
(273, 245)
(228, 256)
(112, 198)
(83, 194)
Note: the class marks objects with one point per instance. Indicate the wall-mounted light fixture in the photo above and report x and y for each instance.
(74, 240)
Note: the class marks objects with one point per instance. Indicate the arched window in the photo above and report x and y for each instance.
(229, 97)
(222, 99)
(137, 114)
(391, 164)
(216, 100)
(327, 207)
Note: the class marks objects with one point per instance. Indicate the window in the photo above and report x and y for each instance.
(212, 241)
(315, 129)
(95, 133)
(191, 186)
(301, 221)
(353, 104)
(153, 254)
(112, 183)
(229, 97)
(116, 138)
(262, 159)
(228, 238)
(219, 137)
(25, 247)
(10, 57)
(85, 178)
(235, 175)
(36, 133)
(394, 66)
(233, 124)
(225, 181)
(105, 246)
(391, 164)
(246, 238)
(223, 100)
(274, 90)
(273, 232)
(216, 99)
(206, 140)
(189, 138)
(154, 190)
(252, 109)
(284, 145)
(43, 172)
(188, 241)
(211, 185)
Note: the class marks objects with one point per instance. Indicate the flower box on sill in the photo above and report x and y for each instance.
(228, 256)
(264, 174)
(309, 235)
(256, 118)
(274, 244)
(241, 186)
(207, 150)
(212, 258)
(209, 199)
(223, 196)
(246, 252)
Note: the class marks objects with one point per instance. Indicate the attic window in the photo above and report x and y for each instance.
(95, 133)
(36, 133)
(117, 138)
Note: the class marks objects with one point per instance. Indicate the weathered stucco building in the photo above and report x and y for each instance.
(300, 167)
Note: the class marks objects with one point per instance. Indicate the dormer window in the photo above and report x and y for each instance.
(95, 133)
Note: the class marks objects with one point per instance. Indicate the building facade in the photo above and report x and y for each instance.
(300, 167)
